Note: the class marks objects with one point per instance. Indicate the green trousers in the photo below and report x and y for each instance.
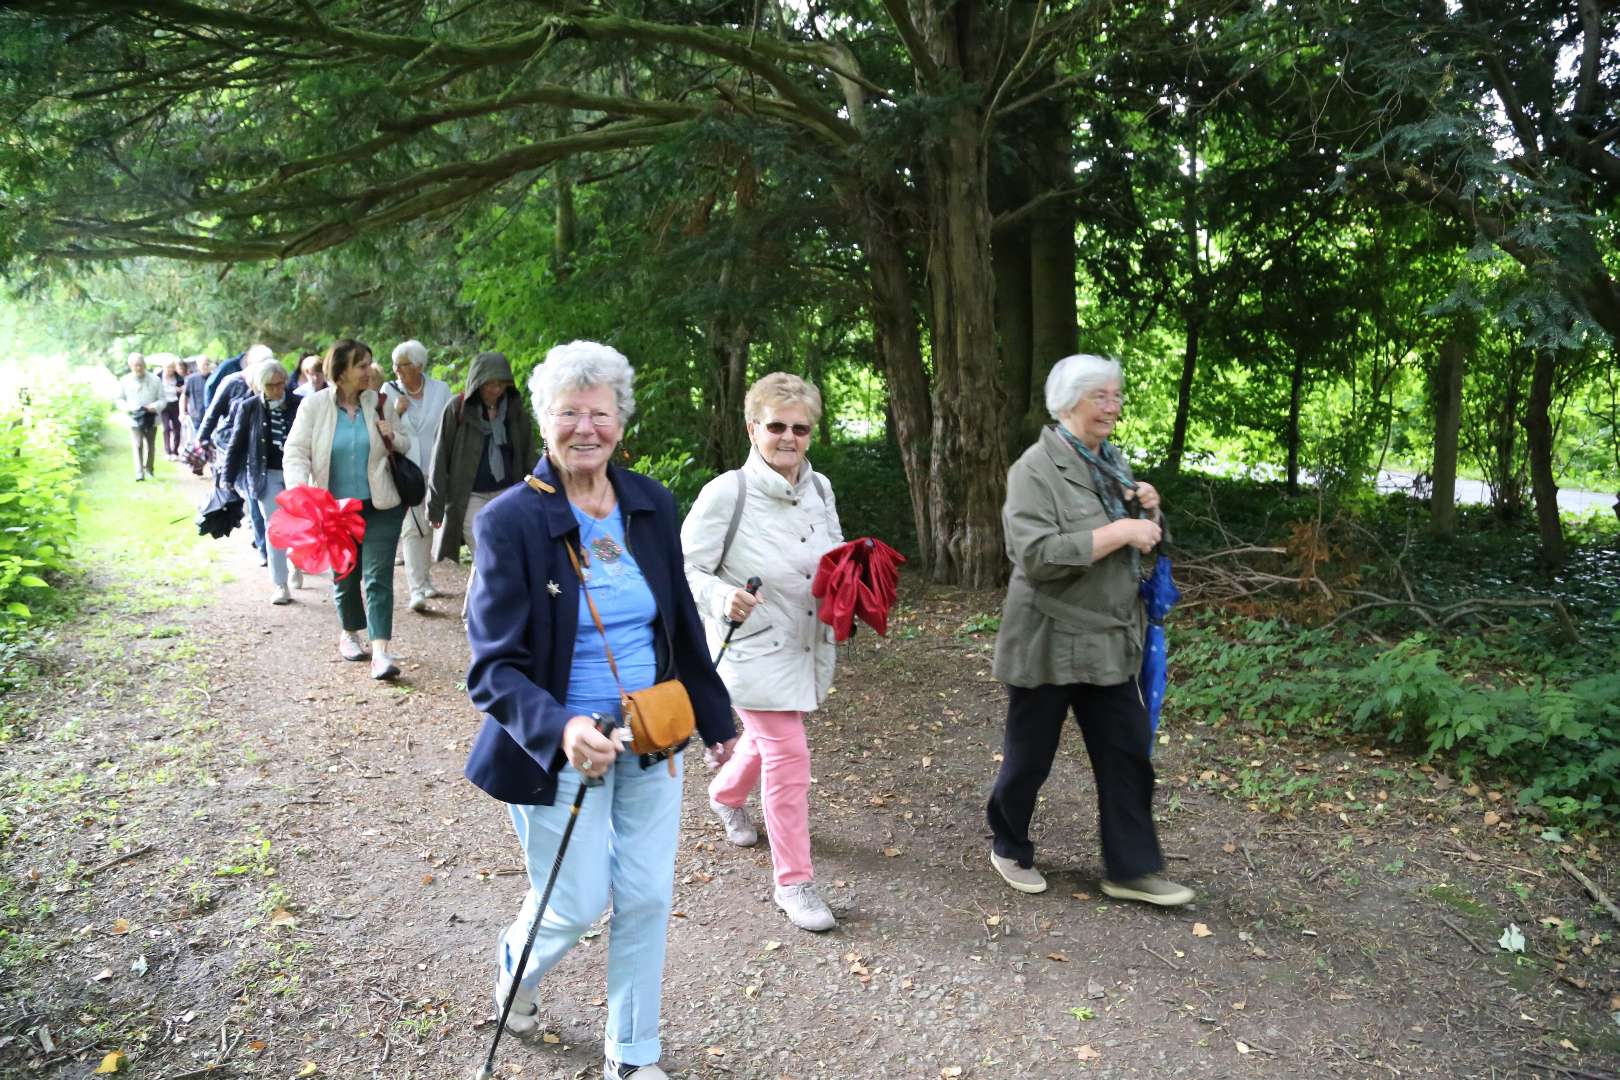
(374, 575)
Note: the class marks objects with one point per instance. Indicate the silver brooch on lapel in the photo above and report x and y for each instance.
(553, 588)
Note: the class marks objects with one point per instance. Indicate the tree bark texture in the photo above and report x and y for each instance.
(1195, 309)
(1447, 388)
(1538, 433)
(899, 344)
(1015, 330)
(1052, 266)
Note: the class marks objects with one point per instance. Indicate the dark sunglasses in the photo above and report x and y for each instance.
(776, 427)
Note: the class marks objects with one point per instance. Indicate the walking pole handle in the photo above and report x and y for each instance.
(752, 588)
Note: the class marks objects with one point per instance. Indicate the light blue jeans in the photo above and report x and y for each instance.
(273, 485)
(623, 850)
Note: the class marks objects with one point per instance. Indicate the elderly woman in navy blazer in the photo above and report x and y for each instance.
(539, 670)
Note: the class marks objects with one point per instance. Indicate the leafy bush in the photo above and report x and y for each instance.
(1499, 705)
(870, 485)
(50, 428)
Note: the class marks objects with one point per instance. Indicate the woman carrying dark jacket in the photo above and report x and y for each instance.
(259, 423)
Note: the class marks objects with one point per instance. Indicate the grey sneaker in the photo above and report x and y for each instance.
(804, 907)
(1025, 879)
(349, 646)
(617, 1070)
(383, 666)
(418, 601)
(1150, 889)
(739, 830)
(525, 1015)
(281, 596)
(296, 578)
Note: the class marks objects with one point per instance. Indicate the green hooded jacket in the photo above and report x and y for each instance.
(461, 445)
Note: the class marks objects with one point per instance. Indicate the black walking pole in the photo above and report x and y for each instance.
(753, 588)
(487, 1069)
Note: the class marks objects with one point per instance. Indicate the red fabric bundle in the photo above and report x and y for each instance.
(319, 532)
(860, 578)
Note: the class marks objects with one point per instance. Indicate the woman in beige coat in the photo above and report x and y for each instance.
(772, 519)
(1077, 526)
(338, 442)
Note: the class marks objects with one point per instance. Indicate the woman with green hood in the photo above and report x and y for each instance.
(486, 444)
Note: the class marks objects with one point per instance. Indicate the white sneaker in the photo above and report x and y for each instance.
(281, 596)
(295, 578)
(739, 830)
(383, 666)
(349, 646)
(525, 1015)
(418, 601)
(804, 907)
(431, 593)
(614, 1070)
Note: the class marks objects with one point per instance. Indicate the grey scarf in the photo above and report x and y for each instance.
(1109, 480)
(496, 431)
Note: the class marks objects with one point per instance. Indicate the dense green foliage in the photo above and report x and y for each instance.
(50, 427)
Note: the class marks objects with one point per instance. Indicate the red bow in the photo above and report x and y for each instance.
(857, 578)
(319, 532)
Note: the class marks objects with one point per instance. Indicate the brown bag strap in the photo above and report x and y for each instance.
(595, 617)
(388, 441)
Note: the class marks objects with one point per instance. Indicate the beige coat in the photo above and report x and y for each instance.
(782, 656)
(1066, 618)
(307, 457)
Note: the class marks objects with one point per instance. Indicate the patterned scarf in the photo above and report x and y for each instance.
(495, 429)
(1110, 481)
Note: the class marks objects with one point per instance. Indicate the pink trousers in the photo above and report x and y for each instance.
(775, 743)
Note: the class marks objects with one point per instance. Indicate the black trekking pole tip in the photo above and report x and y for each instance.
(484, 1073)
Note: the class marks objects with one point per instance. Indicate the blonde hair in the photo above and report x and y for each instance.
(777, 389)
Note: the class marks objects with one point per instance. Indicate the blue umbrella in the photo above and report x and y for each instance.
(1158, 591)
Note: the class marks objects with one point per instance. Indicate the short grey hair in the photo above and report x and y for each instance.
(411, 350)
(1075, 376)
(257, 353)
(580, 365)
(258, 376)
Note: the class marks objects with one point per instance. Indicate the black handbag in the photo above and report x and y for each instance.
(408, 478)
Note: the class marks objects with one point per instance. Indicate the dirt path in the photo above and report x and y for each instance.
(223, 844)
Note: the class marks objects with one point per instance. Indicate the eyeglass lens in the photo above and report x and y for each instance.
(776, 427)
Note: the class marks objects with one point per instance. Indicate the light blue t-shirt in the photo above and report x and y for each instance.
(628, 612)
(351, 449)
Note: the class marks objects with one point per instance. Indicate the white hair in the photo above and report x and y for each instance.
(580, 365)
(411, 350)
(1075, 376)
(259, 374)
(255, 354)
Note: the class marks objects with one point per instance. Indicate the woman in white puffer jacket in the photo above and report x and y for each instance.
(772, 519)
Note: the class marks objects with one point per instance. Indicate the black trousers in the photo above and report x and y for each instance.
(1114, 722)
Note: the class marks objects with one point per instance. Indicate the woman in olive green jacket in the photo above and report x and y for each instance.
(1077, 525)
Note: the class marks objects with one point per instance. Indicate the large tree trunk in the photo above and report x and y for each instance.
(1448, 383)
(968, 475)
(1538, 432)
(1015, 331)
(1055, 330)
(899, 345)
(730, 341)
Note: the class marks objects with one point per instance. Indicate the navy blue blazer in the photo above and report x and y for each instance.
(522, 630)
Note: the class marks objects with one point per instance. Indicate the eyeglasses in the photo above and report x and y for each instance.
(1103, 397)
(598, 419)
(777, 427)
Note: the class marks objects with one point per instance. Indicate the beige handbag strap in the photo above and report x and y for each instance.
(595, 617)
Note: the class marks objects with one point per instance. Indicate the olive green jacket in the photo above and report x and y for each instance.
(1066, 619)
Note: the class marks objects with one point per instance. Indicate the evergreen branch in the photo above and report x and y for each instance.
(912, 39)
(1586, 94)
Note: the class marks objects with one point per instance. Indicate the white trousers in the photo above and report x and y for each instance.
(416, 541)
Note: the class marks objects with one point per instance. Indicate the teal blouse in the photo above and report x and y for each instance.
(351, 450)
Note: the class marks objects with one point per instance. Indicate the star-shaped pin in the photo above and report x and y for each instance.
(553, 588)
